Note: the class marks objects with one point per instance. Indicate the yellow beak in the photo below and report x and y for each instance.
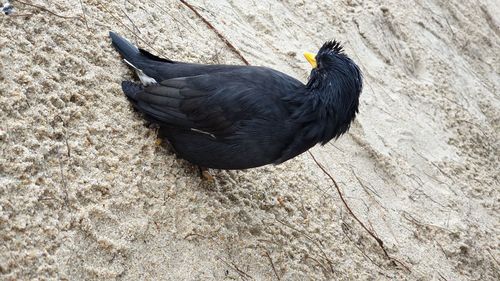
(310, 58)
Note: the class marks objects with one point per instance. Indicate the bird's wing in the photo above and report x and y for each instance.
(218, 104)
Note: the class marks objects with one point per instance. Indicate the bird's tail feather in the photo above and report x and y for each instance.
(128, 51)
(131, 53)
(133, 56)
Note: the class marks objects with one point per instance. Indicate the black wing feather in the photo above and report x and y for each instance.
(217, 103)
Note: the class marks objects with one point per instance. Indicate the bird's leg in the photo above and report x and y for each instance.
(205, 174)
(159, 137)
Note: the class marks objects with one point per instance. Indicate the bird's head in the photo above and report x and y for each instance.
(332, 67)
(335, 84)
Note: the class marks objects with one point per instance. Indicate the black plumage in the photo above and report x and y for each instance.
(238, 117)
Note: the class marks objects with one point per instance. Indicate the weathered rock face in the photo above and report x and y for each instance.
(86, 194)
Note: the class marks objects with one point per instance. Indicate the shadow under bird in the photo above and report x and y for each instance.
(239, 117)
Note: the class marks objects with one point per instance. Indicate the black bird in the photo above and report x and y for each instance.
(238, 117)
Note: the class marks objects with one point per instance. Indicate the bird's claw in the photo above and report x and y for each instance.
(205, 174)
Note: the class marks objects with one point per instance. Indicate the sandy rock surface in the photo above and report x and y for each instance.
(86, 194)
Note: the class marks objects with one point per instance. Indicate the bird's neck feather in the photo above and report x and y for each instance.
(331, 105)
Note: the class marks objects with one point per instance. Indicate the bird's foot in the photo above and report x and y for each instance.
(158, 142)
(205, 174)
